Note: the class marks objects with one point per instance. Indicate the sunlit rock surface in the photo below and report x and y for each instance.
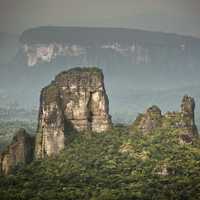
(75, 101)
(123, 46)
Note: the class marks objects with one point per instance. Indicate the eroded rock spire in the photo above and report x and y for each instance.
(20, 151)
(183, 121)
(75, 101)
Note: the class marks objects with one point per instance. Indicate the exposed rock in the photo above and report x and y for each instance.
(76, 100)
(20, 151)
(187, 110)
(133, 47)
(188, 105)
(188, 126)
(148, 121)
(151, 119)
(183, 121)
(46, 53)
(50, 137)
(162, 169)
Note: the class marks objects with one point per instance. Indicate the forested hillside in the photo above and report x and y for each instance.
(113, 165)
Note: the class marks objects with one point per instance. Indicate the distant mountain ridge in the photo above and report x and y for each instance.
(46, 34)
(90, 45)
(132, 60)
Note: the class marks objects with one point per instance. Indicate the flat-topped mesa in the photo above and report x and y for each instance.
(75, 100)
(20, 151)
(183, 121)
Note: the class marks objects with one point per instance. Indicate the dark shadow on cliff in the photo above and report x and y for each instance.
(69, 131)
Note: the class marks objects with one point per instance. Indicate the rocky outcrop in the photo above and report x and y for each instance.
(39, 53)
(20, 151)
(183, 121)
(75, 101)
(150, 120)
(187, 109)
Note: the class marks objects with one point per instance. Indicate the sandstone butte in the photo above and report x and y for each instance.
(76, 101)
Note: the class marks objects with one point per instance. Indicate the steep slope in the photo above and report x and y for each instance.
(112, 48)
(75, 101)
(112, 166)
(182, 122)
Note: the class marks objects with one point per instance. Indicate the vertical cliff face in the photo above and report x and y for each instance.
(189, 129)
(187, 110)
(183, 121)
(50, 133)
(77, 101)
(20, 151)
(132, 47)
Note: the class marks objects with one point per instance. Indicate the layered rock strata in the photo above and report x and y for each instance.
(75, 101)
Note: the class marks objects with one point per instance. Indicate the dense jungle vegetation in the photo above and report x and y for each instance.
(114, 165)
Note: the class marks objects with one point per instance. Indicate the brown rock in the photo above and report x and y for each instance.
(145, 123)
(20, 151)
(187, 126)
(76, 100)
(187, 110)
(50, 137)
(183, 121)
(188, 105)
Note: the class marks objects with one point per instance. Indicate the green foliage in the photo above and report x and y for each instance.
(86, 69)
(135, 126)
(172, 121)
(93, 71)
(112, 166)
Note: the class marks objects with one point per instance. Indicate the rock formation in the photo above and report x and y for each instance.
(150, 120)
(75, 100)
(183, 121)
(132, 47)
(20, 151)
(187, 110)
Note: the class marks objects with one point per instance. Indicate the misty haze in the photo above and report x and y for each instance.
(141, 68)
(99, 100)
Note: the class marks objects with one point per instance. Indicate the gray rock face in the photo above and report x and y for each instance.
(189, 129)
(150, 120)
(20, 151)
(187, 109)
(183, 121)
(75, 100)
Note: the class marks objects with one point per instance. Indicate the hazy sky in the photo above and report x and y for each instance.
(177, 16)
